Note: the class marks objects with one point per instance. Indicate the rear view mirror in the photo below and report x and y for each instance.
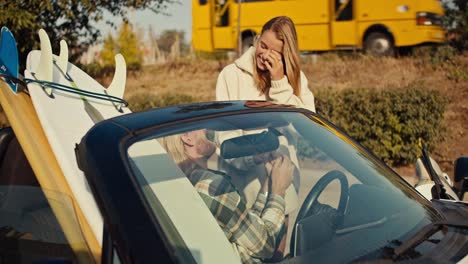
(461, 176)
(250, 145)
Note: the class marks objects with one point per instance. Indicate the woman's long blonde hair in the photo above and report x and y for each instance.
(284, 29)
(176, 149)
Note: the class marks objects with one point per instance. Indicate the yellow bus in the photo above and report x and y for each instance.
(376, 26)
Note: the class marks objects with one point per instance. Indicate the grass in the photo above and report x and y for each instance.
(193, 78)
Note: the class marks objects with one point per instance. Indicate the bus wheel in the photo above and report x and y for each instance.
(247, 42)
(379, 44)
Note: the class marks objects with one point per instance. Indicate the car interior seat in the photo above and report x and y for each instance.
(14, 166)
(26, 218)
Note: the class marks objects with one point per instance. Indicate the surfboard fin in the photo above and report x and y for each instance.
(9, 57)
(44, 69)
(117, 86)
(62, 61)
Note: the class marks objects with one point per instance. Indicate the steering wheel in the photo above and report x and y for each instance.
(312, 200)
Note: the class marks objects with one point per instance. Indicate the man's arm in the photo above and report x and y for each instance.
(253, 234)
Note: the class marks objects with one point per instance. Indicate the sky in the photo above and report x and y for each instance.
(180, 18)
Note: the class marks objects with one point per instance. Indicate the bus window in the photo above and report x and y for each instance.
(343, 10)
(202, 2)
(222, 13)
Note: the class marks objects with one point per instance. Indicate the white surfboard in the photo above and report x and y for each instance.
(66, 117)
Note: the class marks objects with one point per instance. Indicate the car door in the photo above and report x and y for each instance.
(159, 216)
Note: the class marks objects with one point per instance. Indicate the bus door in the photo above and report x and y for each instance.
(343, 23)
(222, 27)
(201, 25)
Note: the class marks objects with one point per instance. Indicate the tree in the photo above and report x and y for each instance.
(456, 22)
(72, 21)
(127, 43)
(155, 52)
(129, 46)
(108, 51)
(169, 37)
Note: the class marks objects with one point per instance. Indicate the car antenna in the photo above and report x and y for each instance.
(438, 190)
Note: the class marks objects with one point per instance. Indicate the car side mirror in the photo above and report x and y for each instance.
(250, 145)
(461, 176)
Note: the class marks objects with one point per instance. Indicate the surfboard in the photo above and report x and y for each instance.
(23, 119)
(9, 57)
(65, 117)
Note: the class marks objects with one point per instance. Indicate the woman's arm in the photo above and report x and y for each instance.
(222, 91)
(282, 92)
(307, 96)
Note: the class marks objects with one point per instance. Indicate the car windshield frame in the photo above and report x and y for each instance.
(180, 126)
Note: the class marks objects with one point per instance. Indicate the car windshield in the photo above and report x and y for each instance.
(334, 192)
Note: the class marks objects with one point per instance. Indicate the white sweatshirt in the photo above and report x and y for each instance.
(235, 82)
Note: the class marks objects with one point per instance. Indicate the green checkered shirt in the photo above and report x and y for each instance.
(252, 232)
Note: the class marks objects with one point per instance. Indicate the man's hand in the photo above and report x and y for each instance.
(281, 175)
(265, 157)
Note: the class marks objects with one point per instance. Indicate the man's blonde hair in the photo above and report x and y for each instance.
(284, 29)
(176, 149)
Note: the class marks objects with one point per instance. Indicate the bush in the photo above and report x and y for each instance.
(97, 70)
(141, 102)
(456, 23)
(387, 122)
(435, 55)
(457, 73)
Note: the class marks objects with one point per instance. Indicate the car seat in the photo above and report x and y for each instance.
(14, 166)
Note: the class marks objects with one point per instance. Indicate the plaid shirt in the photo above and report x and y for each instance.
(253, 232)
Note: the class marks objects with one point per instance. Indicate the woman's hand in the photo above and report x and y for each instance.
(274, 63)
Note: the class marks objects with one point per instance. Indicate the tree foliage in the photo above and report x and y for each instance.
(456, 22)
(73, 21)
(108, 51)
(127, 43)
(167, 39)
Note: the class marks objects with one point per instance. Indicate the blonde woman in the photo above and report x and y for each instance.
(268, 71)
(252, 231)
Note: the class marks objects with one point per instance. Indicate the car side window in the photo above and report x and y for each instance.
(29, 229)
(171, 198)
(28, 221)
(115, 257)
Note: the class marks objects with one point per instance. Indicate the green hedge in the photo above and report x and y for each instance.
(388, 122)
